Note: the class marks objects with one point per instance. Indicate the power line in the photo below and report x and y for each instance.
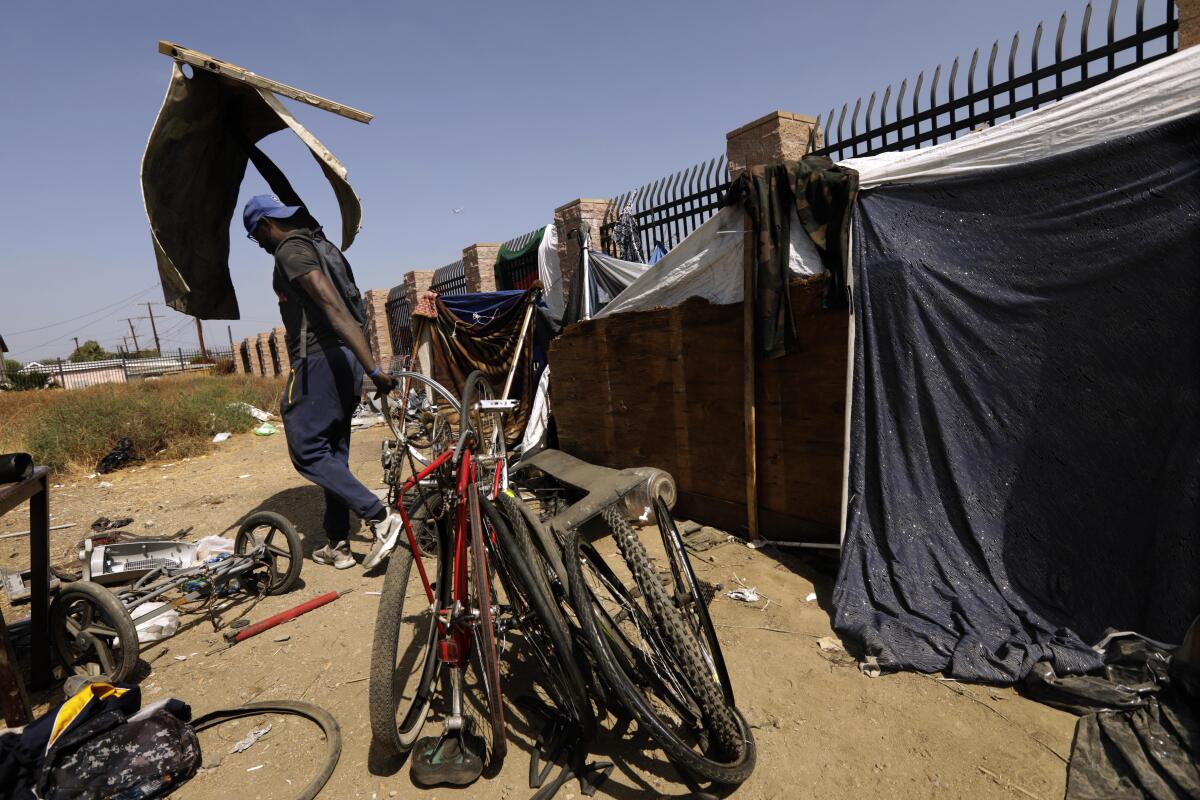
(68, 334)
(81, 316)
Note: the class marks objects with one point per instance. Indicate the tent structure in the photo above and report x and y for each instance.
(533, 257)
(1024, 450)
(1021, 391)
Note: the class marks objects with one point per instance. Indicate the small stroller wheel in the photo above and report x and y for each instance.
(92, 633)
(283, 554)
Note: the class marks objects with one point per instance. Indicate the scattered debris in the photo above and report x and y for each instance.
(106, 524)
(251, 769)
(120, 456)
(220, 437)
(247, 475)
(833, 652)
(104, 485)
(161, 626)
(808, 598)
(254, 411)
(26, 533)
(250, 738)
(181, 658)
(266, 429)
(749, 595)
(282, 638)
(373, 593)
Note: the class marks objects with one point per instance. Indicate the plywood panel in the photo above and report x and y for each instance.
(663, 388)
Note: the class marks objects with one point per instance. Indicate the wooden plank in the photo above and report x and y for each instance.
(749, 358)
(234, 72)
(14, 701)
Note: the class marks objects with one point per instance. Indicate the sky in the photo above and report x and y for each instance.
(505, 110)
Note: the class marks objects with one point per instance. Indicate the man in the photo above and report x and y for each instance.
(324, 319)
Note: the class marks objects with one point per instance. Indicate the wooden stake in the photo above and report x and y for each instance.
(225, 69)
(749, 357)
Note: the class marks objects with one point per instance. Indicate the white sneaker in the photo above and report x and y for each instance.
(387, 532)
(338, 555)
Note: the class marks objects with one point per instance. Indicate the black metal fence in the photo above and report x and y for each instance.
(923, 119)
(450, 279)
(522, 271)
(399, 317)
(121, 368)
(667, 210)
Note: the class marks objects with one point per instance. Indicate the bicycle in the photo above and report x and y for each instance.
(481, 588)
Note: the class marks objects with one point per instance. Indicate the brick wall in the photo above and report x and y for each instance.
(264, 353)
(778, 136)
(567, 220)
(1189, 22)
(378, 332)
(479, 264)
(277, 338)
(251, 343)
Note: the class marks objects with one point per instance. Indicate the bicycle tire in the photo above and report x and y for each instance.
(490, 448)
(631, 693)
(549, 637)
(485, 629)
(394, 724)
(688, 585)
(704, 682)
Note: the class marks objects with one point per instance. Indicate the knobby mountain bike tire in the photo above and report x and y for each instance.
(616, 659)
(481, 600)
(698, 671)
(399, 700)
(691, 600)
(541, 620)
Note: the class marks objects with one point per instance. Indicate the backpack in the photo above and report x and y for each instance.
(337, 269)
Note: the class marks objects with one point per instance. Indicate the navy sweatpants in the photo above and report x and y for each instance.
(318, 402)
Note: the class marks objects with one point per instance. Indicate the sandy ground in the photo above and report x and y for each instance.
(823, 729)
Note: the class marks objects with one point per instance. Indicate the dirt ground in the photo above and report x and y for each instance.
(823, 729)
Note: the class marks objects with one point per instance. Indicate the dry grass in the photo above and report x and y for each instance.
(167, 418)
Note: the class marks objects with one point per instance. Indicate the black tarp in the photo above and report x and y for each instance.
(1025, 453)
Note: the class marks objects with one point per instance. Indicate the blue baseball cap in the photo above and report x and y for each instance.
(265, 205)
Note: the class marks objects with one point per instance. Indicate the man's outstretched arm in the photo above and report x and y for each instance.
(317, 286)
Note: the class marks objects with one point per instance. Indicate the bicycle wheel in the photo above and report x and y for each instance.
(405, 667)
(697, 670)
(92, 633)
(488, 429)
(644, 673)
(539, 618)
(482, 603)
(690, 598)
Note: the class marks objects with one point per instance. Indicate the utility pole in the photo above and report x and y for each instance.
(133, 333)
(200, 336)
(76, 338)
(157, 346)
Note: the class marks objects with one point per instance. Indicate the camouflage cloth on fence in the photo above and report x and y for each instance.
(822, 195)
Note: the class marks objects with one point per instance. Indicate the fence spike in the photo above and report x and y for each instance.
(814, 136)
(1083, 37)
(1012, 74)
(870, 108)
(900, 110)
(991, 78)
(1112, 32)
(1033, 65)
(854, 126)
(828, 127)
(950, 94)
(916, 99)
(841, 135)
(723, 168)
(883, 106)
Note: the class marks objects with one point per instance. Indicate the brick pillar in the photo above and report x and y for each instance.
(479, 264)
(264, 353)
(1189, 22)
(567, 221)
(416, 283)
(238, 366)
(776, 137)
(285, 362)
(378, 332)
(251, 343)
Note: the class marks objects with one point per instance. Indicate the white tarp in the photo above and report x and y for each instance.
(1151, 95)
(550, 274)
(707, 264)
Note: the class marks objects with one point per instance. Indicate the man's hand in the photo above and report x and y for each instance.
(384, 383)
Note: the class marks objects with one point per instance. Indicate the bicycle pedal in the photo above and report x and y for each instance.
(453, 759)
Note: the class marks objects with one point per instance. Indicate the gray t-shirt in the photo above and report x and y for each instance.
(294, 258)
